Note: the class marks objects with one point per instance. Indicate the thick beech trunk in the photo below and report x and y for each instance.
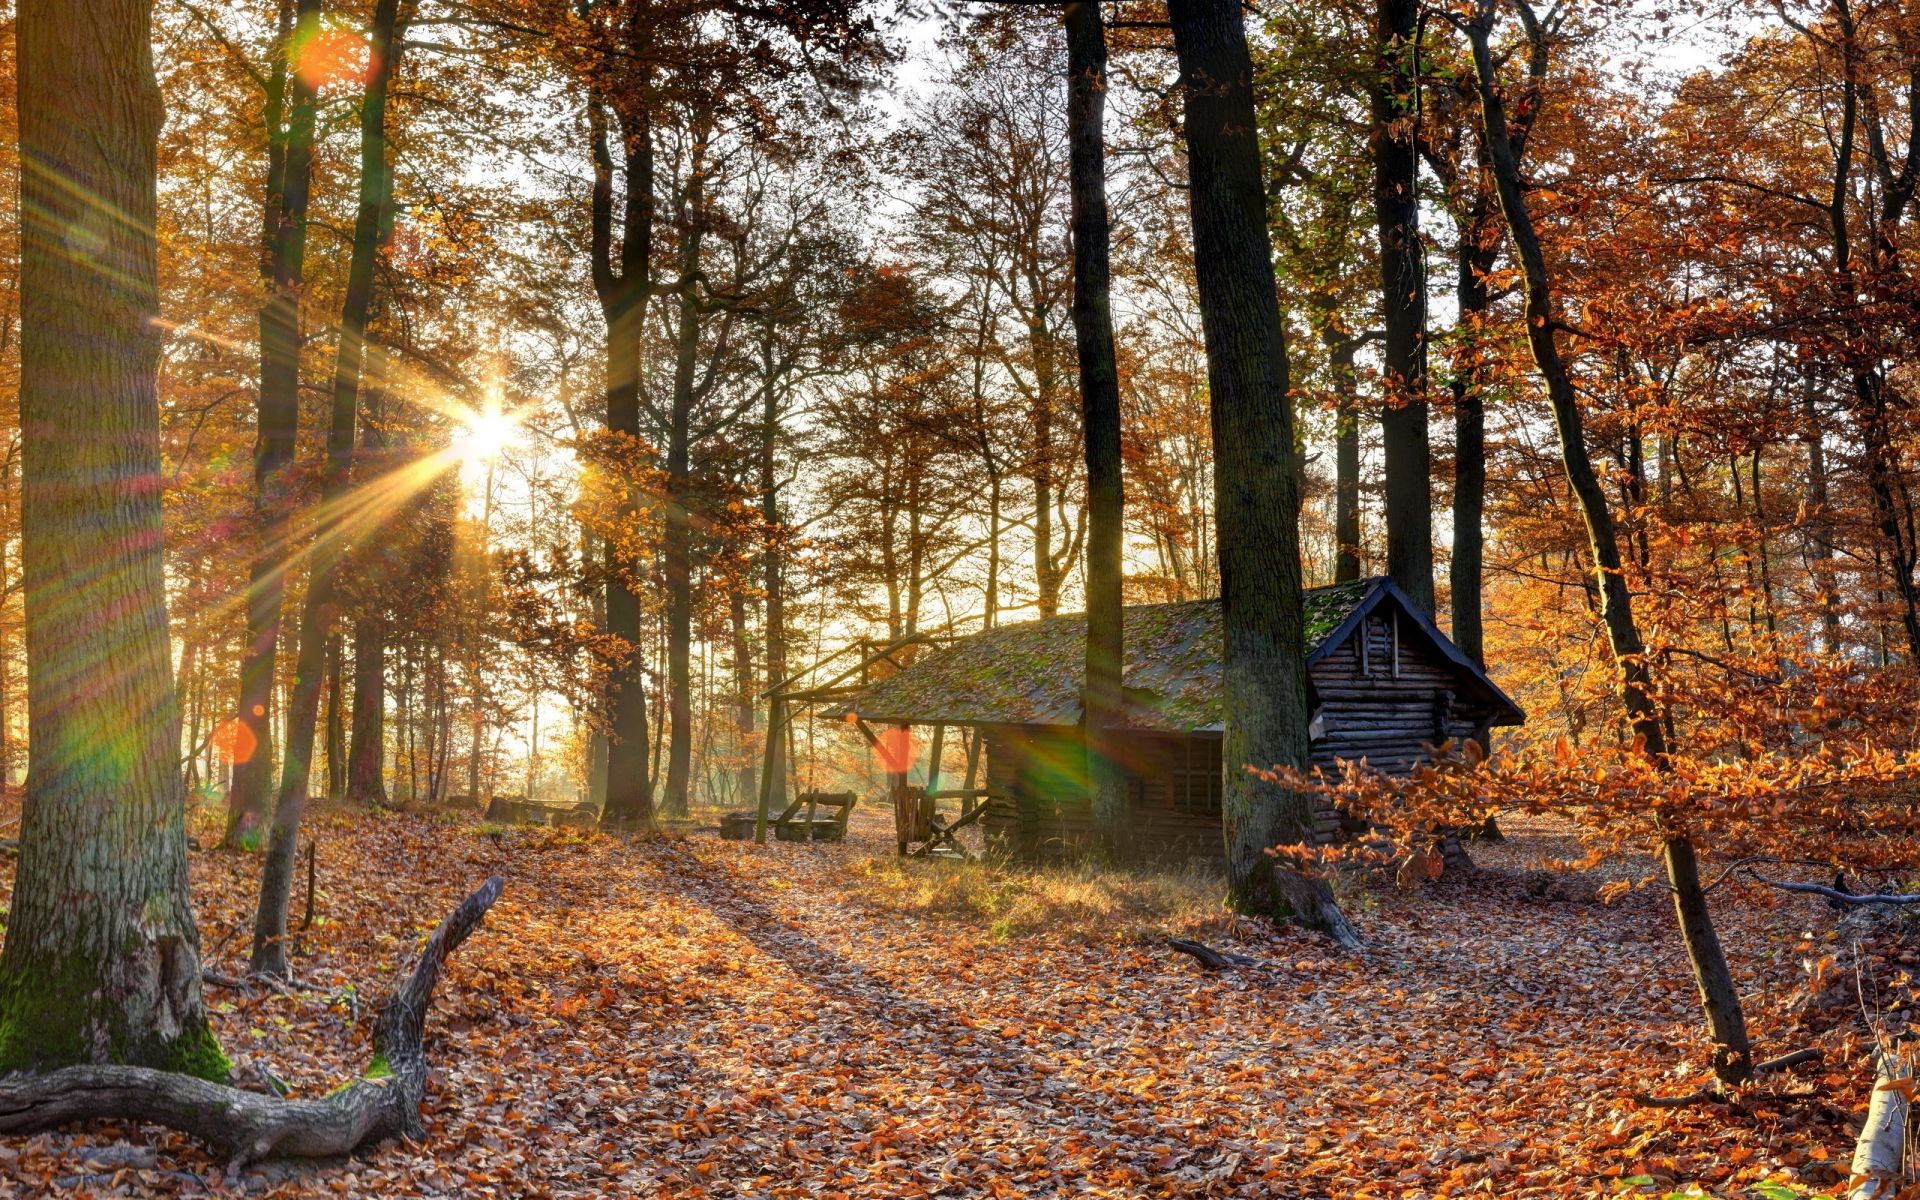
(1256, 488)
(284, 237)
(1726, 1024)
(1100, 418)
(320, 609)
(245, 1127)
(102, 960)
(1403, 304)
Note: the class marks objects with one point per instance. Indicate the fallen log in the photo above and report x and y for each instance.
(245, 1127)
(1879, 1154)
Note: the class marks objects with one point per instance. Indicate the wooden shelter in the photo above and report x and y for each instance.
(1387, 685)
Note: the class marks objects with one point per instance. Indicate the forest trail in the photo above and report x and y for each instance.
(702, 1018)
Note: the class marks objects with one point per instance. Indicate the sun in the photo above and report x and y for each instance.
(487, 433)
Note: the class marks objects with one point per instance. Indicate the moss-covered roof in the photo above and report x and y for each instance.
(1031, 673)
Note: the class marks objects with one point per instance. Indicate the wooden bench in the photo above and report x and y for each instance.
(795, 825)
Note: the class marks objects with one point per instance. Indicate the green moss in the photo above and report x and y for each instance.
(379, 1068)
(196, 1052)
(44, 1024)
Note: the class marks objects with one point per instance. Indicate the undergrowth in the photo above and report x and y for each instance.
(1014, 900)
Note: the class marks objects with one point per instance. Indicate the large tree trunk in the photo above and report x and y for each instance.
(623, 295)
(1256, 488)
(775, 787)
(245, 1127)
(284, 235)
(1732, 1054)
(1403, 303)
(320, 609)
(1100, 417)
(102, 961)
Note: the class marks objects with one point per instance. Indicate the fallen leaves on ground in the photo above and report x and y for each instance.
(699, 1018)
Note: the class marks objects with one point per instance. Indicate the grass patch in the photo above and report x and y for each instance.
(1084, 901)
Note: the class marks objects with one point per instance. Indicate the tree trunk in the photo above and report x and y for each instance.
(1256, 490)
(1732, 1054)
(102, 961)
(245, 1127)
(1341, 350)
(320, 609)
(336, 721)
(677, 547)
(1403, 303)
(623, 296)
(284, 234)
(1474, 258)
(366, 758)
(775, 583)
(1100, 416)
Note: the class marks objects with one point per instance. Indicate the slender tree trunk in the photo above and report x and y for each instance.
(284, 235)
(1474, 259)
(1732, 1054)
(1100, 416)
(1403, 284)
(623, 296)
(366, 758)
(775, 584)
(320, 609)
(1819, 524)
(1256, 490)
(1341, 351)
(102, 961)
(677, 541)
(336, 721)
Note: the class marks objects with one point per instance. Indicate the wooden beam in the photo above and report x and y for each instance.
(933, 758)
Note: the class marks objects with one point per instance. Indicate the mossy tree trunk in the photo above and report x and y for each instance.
(1256, 486)
(101, 962)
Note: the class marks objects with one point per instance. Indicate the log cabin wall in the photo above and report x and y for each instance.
(1385, 697)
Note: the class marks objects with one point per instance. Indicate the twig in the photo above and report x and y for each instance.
(1706, 1095)
(1836, 895)
(1211, 959)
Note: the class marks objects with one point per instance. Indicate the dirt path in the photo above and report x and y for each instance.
(700, 1018)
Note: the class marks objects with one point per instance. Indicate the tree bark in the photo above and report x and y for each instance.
(102, 960)
(1100, 418)
(677, 541)
(320, 609)
(1256, 489)
(1403, 303)
(366, 757)
(623, 295)
(245, 1127)
(336, 720)
(1733, 1052)
(284, 239)
(1474, 260)
(1341, 350)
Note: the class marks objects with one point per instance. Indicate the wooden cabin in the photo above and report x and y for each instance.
(1387, 686)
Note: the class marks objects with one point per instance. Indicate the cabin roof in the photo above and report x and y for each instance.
(1030, 673)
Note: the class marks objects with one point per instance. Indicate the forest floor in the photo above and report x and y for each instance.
(694, 1018)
